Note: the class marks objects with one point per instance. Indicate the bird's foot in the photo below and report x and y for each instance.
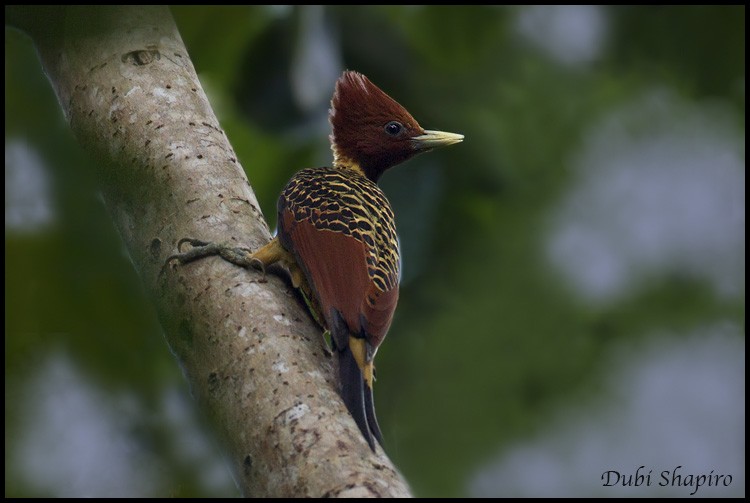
(242, 257)
(259, 265)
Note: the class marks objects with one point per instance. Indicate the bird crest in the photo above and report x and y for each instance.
(360, 116)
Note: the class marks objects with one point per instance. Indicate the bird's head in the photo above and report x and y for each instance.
(372, 132)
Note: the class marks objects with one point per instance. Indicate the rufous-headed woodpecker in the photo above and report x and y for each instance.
(337, 233)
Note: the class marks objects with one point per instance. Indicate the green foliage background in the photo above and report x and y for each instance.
(488, 341)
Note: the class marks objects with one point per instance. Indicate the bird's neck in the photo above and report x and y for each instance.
(344, 162)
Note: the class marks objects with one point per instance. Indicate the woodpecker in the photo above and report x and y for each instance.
(337, 234)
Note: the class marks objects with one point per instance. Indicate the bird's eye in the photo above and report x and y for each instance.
(393, 128)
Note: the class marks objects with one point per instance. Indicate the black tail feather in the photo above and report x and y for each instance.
(354, 395)
(372, 421)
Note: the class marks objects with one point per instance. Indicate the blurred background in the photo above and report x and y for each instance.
(573, 291)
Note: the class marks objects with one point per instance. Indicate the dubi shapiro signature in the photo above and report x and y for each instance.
(665, 478)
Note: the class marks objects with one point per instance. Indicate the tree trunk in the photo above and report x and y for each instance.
(251, 352)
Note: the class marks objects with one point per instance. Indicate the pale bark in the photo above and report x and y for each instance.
(252, 354)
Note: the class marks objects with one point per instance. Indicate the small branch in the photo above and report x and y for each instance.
(252, 355)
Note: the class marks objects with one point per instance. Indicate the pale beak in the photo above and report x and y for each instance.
(432, 139)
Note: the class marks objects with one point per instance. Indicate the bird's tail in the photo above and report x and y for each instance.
(372, 421)
(356, 386)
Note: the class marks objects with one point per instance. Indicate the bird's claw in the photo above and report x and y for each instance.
(195, 243)
(242, 257)
(199, 249)
(258, 264)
